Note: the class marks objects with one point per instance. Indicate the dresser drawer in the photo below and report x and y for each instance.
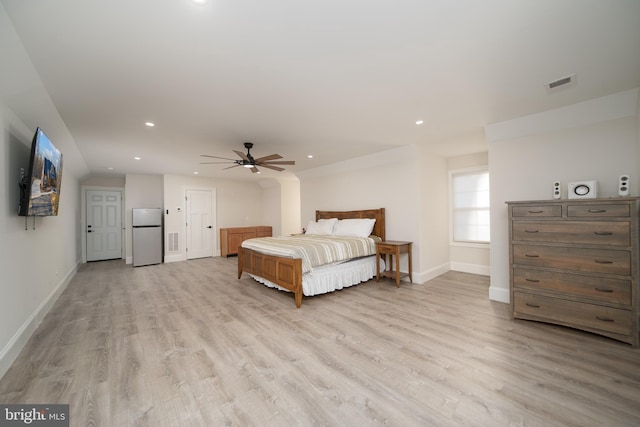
(612, 291)
(607, 261)
(572, 313)
(537, 211)
(606, 233)
(386, 249)
(263, 231)
(620, 210)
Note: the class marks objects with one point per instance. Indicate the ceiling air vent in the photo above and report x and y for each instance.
(563, 82)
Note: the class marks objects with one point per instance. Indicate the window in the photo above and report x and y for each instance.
(469, 205)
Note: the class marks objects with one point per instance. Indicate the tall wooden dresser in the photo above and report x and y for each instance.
(575, 263)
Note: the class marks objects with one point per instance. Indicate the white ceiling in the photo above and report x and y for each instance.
(333, 78)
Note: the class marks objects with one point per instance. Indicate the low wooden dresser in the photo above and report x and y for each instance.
(575, 263)
(232, 238)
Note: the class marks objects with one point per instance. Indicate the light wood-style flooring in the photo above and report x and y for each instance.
(187, 344)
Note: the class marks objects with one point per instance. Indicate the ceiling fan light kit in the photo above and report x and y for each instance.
(247, 160)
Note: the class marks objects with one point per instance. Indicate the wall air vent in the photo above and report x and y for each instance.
(563, 82)
(172, 242)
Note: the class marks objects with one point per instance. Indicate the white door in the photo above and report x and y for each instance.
(200, 223)
(104, 225)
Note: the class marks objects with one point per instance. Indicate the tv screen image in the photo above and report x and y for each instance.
(41, 188)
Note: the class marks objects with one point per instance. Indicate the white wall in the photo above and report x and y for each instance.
(36, 265)
(433, 196)
(290, 222)
(396, 180)
(141, 191)
(271, 205)
(238, 204)
(281, 204)
(593, 140)
(104, 181)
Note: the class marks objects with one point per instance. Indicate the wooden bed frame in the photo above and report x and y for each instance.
(287, 272)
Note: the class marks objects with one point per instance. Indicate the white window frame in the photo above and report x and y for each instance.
(452, 174)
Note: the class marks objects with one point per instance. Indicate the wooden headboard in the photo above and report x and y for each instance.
(377, 214)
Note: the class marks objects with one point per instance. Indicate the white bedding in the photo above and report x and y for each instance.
(314, 250)
(334, 276)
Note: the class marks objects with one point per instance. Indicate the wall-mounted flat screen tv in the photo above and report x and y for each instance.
(40, 188)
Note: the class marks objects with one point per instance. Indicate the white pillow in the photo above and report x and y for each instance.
(323, 227)
(354, 227)
(333, 220)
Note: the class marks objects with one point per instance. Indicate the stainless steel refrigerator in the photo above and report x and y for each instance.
(147, 237)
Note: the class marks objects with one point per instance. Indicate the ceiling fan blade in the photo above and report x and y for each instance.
(282, 162)
(216, 157)
(234, 166)
(275, 168)
(215, 163)
(270, 157)
(242, 155)
(254, 169)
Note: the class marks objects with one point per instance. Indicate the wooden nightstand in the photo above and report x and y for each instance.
(391, 248)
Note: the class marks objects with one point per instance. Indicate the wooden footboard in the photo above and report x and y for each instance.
(284, 272)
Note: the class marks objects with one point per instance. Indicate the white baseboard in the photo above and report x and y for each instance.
(182, 257)
(425, 276)
(499, 294)
(15, 345)
(483, 270)
(175, 258)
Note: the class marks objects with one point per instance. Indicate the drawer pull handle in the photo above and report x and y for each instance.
(532, 256)
(537, 211)
(531, 231)
(602, 233)
(533, 305)
(604, 319)
(604, 290)
(532, 280)
(604, 261)
(597, 210)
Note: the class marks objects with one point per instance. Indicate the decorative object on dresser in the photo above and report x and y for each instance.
(575, 263)
(623, 185)
(232, 238)
(582, 190)
(557, 190)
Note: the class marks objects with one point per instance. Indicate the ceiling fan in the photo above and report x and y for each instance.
(249, 162)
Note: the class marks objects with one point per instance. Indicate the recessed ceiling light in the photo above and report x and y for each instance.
(109, 168)
(136, 158)
(310, 156)
(196, 173)
(200, 1)
(150, 124)
(419, 122)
